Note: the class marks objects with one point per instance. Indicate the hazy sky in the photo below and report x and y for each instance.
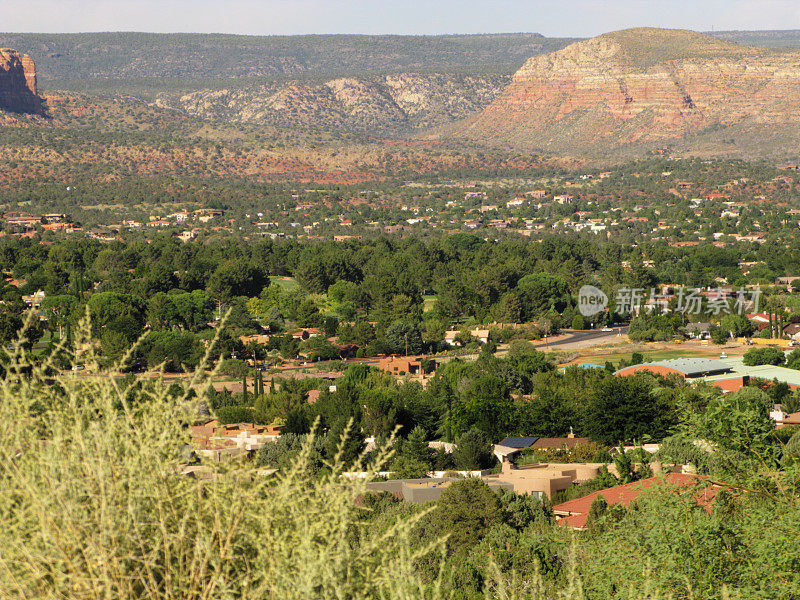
(265, 17)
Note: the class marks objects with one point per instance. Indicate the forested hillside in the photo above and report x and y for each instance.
(85, 61)
(782, 38)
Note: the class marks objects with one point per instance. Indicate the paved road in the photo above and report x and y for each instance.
(587, 338)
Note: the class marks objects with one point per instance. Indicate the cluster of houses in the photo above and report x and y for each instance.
(218, 442)
(28, 225)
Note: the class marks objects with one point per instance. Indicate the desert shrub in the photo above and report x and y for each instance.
(93, 505)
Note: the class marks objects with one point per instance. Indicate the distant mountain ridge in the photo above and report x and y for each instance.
(75, 60)
(641, 86)
(81, 60)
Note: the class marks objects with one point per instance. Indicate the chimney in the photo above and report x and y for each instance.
(571, 435)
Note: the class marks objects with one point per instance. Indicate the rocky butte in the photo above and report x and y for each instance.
(18, 83)
(643, 86)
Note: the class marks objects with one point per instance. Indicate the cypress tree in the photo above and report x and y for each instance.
(244, 389)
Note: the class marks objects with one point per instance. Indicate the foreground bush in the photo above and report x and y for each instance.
(92, 505)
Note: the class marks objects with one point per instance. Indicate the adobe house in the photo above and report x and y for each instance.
(545, 479)
(425, 489)
(480, 335)
(548, 478)
(307, 333)
(399, 365)
(218, 442)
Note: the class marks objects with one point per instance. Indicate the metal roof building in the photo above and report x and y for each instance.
(769, 372)
(687, 367)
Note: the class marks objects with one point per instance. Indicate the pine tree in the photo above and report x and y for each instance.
(416, 446)
(624, 466)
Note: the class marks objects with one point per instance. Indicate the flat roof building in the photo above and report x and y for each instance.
(688, 368)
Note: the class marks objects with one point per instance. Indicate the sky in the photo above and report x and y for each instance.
(556, 18)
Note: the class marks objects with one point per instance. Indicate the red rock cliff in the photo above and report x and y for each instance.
(642, 85)
(18, 83)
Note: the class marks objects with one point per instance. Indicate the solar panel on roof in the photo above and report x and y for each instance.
(519, 442)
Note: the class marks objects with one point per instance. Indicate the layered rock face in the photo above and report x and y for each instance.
(18, 83)
(640, 85)
(387, 104)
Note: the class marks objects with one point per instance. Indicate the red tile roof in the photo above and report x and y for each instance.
(577, 510)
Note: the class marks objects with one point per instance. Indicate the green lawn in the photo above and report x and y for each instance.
(651, 356)
(289, 284)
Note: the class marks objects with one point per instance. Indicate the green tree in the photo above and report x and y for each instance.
(108, 307)
(473, 451)
(235, 277)
(345, 441)
(173, 348)
(740, 423)
(764, 356)
(403, 334)
(405, 467)
(415, 446)
(466, 510)
(485, 405)
(59, 311)
(624, 465)
(738, 325)
(307, 314)
(622, 409)
(597, 509)
(541, 292)
(10, 325)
